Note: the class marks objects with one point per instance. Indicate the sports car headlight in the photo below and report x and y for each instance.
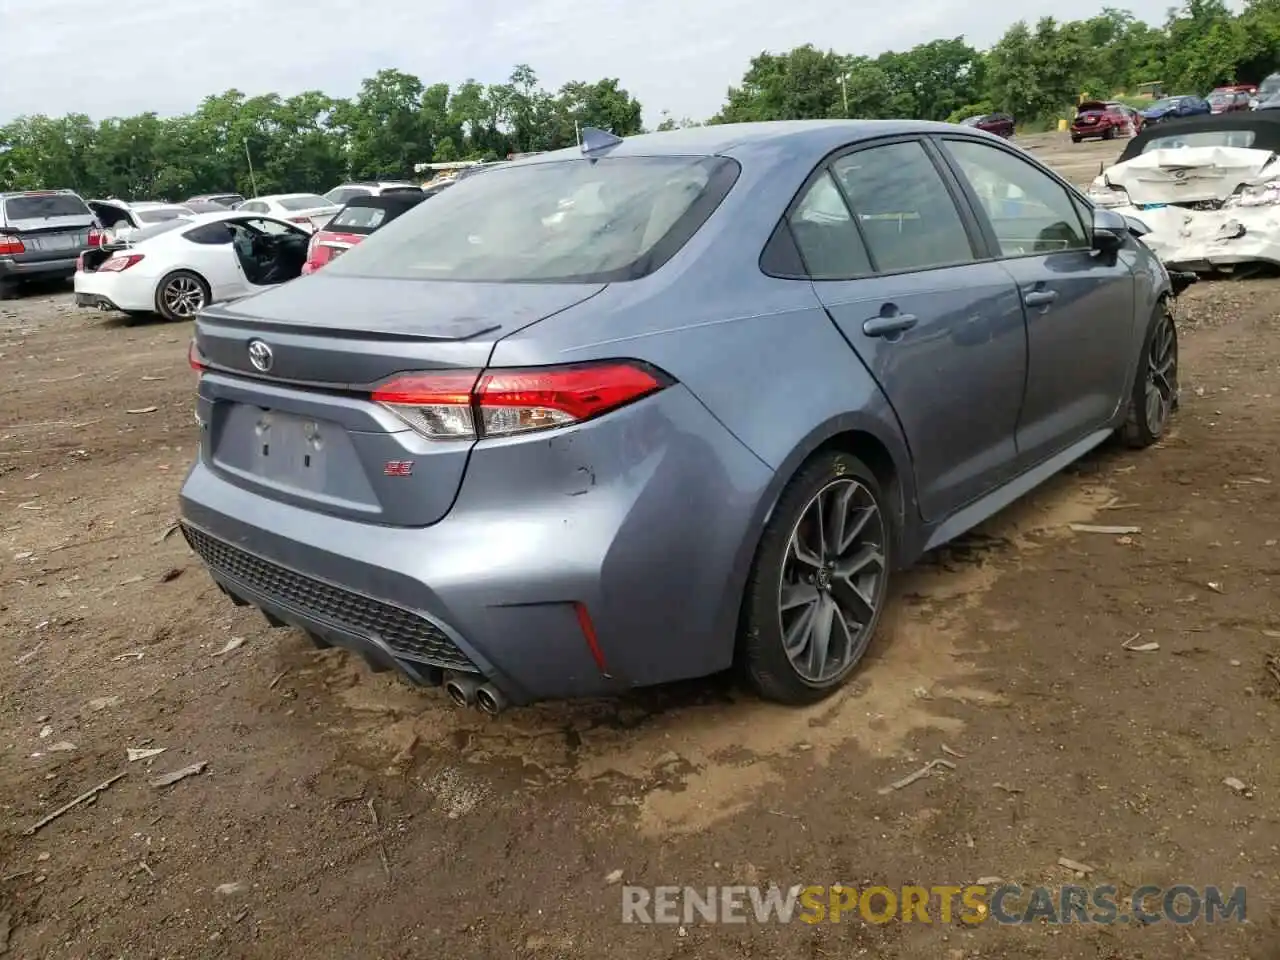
(1255, 195)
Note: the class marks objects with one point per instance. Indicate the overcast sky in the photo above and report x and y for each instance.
(111, 59)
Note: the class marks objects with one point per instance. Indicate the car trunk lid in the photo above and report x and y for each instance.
(1191, 174)
(304, 430)
(50, 226)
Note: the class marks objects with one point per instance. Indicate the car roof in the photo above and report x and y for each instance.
(284, 196)
(1264, 123)
(807, 139)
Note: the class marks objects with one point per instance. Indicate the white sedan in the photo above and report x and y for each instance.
(308, 210)
(177, 268)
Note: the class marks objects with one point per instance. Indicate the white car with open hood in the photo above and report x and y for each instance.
(1208, 188)
(178, 267)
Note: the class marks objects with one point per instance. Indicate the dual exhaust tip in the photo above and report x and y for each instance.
(469, 692)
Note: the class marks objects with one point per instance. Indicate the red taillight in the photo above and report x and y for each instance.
(95, 237)
(459, 405)
(118, 263)
(10, 246)
(194, 357)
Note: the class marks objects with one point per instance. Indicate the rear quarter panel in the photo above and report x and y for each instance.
(759, 353)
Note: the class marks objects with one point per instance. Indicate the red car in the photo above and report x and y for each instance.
(1105, 120)
(1229, 99)
(359, 218)
(1001, 124)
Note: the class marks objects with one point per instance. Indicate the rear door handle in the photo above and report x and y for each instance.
(883, 326)
(1039, 298)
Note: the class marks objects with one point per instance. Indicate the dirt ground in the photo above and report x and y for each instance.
(341, 814)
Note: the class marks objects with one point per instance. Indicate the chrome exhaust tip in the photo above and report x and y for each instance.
(490, 700)
(462, 690)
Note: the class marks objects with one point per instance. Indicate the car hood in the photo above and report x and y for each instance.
(1191, 174)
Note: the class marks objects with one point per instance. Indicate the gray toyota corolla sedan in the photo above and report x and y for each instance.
(643, 410)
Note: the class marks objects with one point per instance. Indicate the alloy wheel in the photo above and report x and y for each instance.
(183, 296)
(1162, 375)
(833, 579)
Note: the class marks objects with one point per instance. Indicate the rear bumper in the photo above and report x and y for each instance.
(94, 301)
(645, 518)
(11, 269)
(122, 291)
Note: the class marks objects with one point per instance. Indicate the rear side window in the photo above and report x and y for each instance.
(826, 234)
(45, 207)
(908, 218)
(569, 221)
(212, 233)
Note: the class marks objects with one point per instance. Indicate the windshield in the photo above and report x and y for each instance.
(305, 202)
(1168, 103)
(44, 207)
(570, 221)
(1202, 138)
(1222, 97)
(1269, 86)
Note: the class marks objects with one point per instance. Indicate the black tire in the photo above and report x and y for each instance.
(1157, 369)
(193, 288)
(8, 290)
(762, 654)
(1075, 139)
(1109, 133)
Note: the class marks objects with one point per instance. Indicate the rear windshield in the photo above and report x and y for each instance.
(161, 216)
(343, 194)
(1202, 138)
(304, 203)
(359, 218)
(41, 208)
(146, 233)
(1269, 85)
(570, 221)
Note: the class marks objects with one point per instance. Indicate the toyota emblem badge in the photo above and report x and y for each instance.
(260, 356)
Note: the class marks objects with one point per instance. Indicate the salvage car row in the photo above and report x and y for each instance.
(1207, 190)
(54, 234)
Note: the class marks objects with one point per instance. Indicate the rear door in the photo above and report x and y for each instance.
(1079, 306)
(899, 269)
(51, 226)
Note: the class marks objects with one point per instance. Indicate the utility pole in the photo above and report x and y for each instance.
(248, 156)
(577, 133)
(844, 94)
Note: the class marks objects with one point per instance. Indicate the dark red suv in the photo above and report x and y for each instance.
(1000, 124)
(1105, 120)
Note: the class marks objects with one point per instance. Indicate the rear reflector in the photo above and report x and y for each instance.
(194, 359)
(457, 405)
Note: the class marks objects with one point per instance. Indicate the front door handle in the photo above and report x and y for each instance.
(889, 326)
(1039, 298)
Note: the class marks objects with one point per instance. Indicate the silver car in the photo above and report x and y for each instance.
(643, 411)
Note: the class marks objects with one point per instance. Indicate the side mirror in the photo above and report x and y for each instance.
(1110, 231)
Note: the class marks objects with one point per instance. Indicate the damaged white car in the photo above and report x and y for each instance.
(1207, 187)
